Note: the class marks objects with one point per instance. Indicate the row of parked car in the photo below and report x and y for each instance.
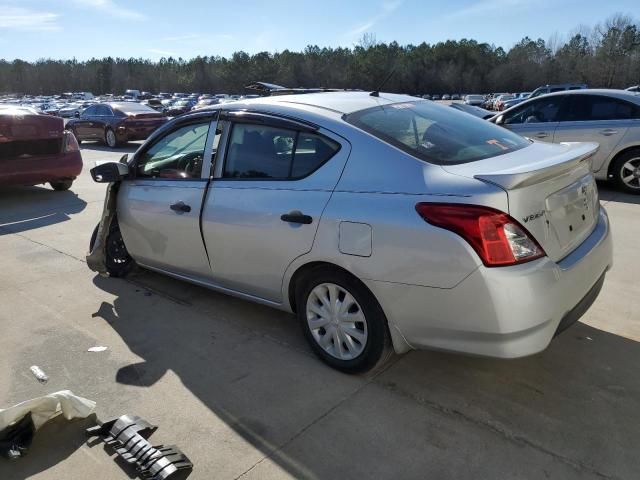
(70, 105)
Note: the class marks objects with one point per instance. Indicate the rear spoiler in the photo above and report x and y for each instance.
(544, 169)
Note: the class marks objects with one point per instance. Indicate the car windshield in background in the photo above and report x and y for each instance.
(435, 133)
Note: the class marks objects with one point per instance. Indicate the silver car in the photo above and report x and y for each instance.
(609, 117)
(378, 219)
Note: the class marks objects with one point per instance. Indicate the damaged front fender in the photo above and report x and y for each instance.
(96, 259)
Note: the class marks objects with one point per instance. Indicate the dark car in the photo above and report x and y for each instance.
(35, 148)
(154, 103)
(116, 123)
(180, 107)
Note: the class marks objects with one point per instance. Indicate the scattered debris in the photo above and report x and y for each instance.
(19, 423)
(97, 349)
(128, 436)
(39, 374)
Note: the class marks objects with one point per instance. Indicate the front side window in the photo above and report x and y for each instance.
(103, 111)
(90, 112)
(543, 110)
(177, 155)
(264, 152)
(435, 133)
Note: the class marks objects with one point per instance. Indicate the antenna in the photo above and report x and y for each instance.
(376, 92)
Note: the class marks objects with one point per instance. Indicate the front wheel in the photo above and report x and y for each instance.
(626, 172)
(62, 185)
(117, 259)
(341, 319)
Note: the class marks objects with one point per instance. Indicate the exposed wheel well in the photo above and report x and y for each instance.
(303, 270)
(620, 153)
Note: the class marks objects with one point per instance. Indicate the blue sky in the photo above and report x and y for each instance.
(32, 29)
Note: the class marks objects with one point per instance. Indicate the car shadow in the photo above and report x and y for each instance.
(26, 208)
(584, 385)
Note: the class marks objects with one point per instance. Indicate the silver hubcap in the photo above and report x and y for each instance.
(111, 138)
(630, 173)
(336, 321)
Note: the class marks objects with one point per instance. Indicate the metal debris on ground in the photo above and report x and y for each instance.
(39, 374)
(128, 436)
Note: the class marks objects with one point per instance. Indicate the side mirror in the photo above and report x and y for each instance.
(108, 172)
(77, 114)
(124, 158)
(500, 120)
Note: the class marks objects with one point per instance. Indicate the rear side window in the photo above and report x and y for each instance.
(435, 133)
(264, 152)
(595, 107)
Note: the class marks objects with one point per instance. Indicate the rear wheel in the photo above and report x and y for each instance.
(117, 260)
(110, 138)
(626, 172)
(341, 319)
(62, 185)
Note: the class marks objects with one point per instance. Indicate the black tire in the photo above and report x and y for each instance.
(377, 342)
(117, 260)
(62, 185)
(619, 171)
(110, 138)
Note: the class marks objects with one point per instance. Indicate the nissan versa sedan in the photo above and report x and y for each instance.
(379, 219)
(116, 123)
(609, 117)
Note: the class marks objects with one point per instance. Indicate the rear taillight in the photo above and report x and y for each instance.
(496, 237)
(69, 142)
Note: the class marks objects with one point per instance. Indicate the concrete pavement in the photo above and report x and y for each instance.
(235, 386)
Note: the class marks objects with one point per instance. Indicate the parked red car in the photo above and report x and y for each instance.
(35, 148)
(116, 123)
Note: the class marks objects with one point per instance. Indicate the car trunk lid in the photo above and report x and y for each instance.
(24, 133)
(20, 124)
(551, 191)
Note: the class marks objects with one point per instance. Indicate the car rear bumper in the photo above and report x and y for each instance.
(503, 312)
(32, 170)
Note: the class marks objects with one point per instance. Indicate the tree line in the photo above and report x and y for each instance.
(605, 55)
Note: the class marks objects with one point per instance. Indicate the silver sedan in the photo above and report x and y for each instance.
(609, 117)
(379, 220)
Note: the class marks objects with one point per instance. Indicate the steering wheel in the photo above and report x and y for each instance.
(191, 163)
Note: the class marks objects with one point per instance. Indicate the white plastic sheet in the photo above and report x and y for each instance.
(45, 408)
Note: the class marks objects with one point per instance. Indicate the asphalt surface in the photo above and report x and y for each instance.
(234, 385)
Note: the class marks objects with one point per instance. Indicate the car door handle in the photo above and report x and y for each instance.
(296, 216)
(180, 207)
(542, 135)
(607, 132)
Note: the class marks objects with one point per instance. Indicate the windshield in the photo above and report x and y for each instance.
(436, 133)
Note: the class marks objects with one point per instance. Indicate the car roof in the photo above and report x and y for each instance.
(337, 102)
(608, 92)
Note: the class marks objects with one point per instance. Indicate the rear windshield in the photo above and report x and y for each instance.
(436, 133)
(132, 107)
